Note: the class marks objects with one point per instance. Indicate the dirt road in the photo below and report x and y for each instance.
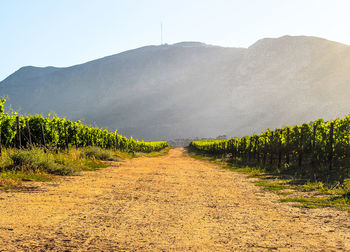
(166, 203)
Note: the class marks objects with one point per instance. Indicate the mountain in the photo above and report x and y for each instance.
(192, 89)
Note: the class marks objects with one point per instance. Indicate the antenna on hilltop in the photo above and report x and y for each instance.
(161, 33)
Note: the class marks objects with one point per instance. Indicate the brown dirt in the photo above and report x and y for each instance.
(166, 203)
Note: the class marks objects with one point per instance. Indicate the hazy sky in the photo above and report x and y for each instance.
(68, 32)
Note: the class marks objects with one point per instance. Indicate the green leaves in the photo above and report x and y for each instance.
(2, 102)
(309, 149)
(58, 131)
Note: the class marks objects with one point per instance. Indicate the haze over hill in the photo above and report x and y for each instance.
(191, 89)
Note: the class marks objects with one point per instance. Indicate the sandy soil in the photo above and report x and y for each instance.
(167, 203)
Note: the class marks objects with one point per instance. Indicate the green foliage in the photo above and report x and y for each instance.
(271, 186)
(2, 101)
(36, 161)
(58, 132)
(93, 165)
(24, 176)
(35, 165)
(98, 153)
(317, 202)
(317, 151)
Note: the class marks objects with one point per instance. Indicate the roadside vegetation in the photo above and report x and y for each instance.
(21, 165)
(18, 165)
(133, 154)
(37, 148)
(300, 192)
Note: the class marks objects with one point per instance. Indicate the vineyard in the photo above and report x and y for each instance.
(318, 150)
(59, 134)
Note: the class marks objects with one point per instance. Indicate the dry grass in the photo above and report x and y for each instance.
(17, 166)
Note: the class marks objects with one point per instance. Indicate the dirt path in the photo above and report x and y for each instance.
(166, 203)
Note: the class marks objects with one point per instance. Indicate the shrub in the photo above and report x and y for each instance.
(37, 160)
(98, 153)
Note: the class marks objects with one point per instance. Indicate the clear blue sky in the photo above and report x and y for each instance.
(67, 32)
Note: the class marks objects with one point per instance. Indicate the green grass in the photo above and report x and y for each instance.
(271, 186)
(305, 206)
(318, 202)
(17, 166)
(213, 159)
(36, 161)
(283, 193)
(93, 165)
(129, 155)
(253, 172)
(12, 179)
(23, 176)
(97, 153)
(160, 153)
(319, 194)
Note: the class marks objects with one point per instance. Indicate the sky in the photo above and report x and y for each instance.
(67, 32)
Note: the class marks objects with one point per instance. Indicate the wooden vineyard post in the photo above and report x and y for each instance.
(59, 138)
(313, 151)
(264, 156)
(254, 148)
(223, 145)
(271, 148)
(84, 142)
(300, 148)
(43, 137)
(248, 150)
(330, 157)
(280, 150)
(314, 138)
(116, 141)
(239, 154)
(75, 137)
(52, 134)
(19, 144)
(57, 144)
(233, 146)
(252, 140)
(258, 149)
(66, 137)
(87, 139)
(244, 149)
(108, 143)
(287, 147)
(29, 136)
(235, 151)
(52, 138)
(113, 142)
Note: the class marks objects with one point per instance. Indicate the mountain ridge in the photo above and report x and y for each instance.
(180, 44)
(191, 89)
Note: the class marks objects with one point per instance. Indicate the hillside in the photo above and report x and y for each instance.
(191, 89)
